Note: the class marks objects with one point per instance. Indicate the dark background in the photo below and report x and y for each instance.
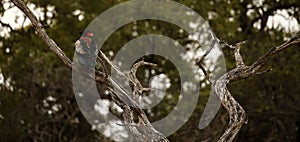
(32, 73)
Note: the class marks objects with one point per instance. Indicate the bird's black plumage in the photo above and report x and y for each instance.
(86, 51)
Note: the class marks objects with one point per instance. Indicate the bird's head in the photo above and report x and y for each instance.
(87, 34)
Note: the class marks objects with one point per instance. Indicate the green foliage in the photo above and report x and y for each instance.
(35, 81)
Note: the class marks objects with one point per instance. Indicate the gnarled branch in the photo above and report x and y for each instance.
(148, 132)
(242, 71)
(237, 116)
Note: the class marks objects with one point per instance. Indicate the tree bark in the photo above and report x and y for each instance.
(236, 112)
(237, 116)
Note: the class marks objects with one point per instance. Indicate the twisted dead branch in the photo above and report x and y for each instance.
(148, 133)
(237, 116)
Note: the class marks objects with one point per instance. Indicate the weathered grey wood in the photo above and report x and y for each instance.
(236, 112)
(237, 116)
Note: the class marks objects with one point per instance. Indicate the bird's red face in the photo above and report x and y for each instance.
(89, 34)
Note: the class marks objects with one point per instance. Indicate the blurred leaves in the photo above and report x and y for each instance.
(34, 73)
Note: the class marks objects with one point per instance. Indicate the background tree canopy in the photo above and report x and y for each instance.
(36, 97)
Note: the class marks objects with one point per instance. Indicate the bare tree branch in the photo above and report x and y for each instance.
(146, 132)
(138, 89)
(263, 59)
(199, 61)
(237, 116)
(42, 33)
(7, 25)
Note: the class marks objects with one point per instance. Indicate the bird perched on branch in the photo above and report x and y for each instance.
(86, 51)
